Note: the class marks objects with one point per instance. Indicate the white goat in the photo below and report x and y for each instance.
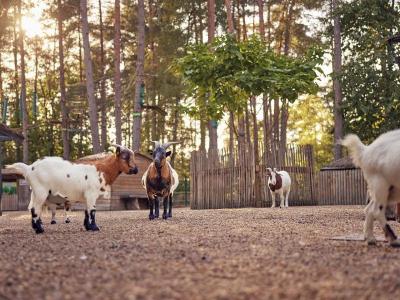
(279, 184)
(84, 180)
(380, 164)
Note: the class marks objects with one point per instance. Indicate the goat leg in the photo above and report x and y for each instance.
(165, 205)
(151, 205)
(156, 207)
(86, 221)
(170, 206)
(36, 222)
(93, 225)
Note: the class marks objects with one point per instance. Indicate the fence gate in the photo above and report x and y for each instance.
(229, 180)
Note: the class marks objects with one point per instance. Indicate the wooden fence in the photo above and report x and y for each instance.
(232, 180)
(340, 187)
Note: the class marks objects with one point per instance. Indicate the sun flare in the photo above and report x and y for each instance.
(31, 27)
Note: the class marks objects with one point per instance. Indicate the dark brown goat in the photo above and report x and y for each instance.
(160, 180)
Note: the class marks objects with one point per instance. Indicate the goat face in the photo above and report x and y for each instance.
(159, 156)
(272, 176)
(126, 160)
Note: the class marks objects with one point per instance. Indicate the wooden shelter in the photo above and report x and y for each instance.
(6, 134)
(341, 183)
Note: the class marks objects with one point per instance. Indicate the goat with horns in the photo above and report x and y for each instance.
(160, 180)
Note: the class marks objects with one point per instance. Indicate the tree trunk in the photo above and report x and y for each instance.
(94, 124)
(244, 22)
(337, 88)
(16, 79)
(287, 34)
(212, 125)
(25, 120)
(117, 71)
(175, 130)
(63, 98)
(231, 30)
(257, 175)
(276, 122)
(103, 99)
(228, 6)
(81, 119)
(202, 135)
(269, 25)
(139, 84)
(241, 132)
(261, 19)
(285, 108)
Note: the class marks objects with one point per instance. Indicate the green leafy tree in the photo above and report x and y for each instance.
(370, 82)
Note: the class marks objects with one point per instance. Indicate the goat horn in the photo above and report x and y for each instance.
(166, 145)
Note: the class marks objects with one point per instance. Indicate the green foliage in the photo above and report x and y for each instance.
(223, 76)
(370, 80)
(311, 122)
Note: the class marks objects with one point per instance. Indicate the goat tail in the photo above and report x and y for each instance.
(356, 148)
(20, 168)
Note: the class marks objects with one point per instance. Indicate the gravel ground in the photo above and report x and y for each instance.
(255, 253)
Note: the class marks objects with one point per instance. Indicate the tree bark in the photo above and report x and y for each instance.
(16, 79)
(137, 109)
(94, 124)
(212, 127)
(228, 6)
(261, 19)
(287, 34)
(231, 30)
(337, 88)
(63, 98)
(25, 118)
(175, 130)
(117, 71)
(103, 99)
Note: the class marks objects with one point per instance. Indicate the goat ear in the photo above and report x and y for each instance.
(168, 153)
(151, 152)
(118, 151)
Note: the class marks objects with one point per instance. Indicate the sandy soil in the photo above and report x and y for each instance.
(216, 254)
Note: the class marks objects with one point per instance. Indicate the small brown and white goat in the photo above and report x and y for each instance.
(160, 180)
(380, 164)
(81, 181)
(279, 184)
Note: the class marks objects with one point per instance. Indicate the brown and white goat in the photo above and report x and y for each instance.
(160, 180)
(81, 181)
(279, 184)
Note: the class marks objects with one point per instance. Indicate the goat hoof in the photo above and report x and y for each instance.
(67, 221)
(165, 216)
(93, 227)
(395, 243)
(371, 241)
(151, 217)
(53, 222)
(170, 215)
(39, 230)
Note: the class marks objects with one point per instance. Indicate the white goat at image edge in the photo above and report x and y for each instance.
(380, 164)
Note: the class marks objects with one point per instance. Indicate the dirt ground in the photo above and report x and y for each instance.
(215, 254)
